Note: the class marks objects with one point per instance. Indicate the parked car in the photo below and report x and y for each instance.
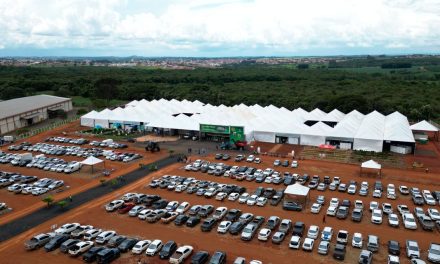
(140, 246)
(434, 253)
(55, 242)
(91, 254)
(365, 257)
(181, 254)
(339, 252)
(394, 247)
(107, 255)
(200, 257)
(168, 250)
(323, 247)
(357, 240)
(412, 249)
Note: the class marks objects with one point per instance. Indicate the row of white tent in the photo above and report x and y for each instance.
(366, 132)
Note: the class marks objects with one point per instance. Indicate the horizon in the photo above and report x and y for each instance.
(218, 28)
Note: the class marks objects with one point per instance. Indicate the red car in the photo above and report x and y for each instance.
(125, 208)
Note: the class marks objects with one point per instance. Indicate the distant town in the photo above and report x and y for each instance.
(179, 62)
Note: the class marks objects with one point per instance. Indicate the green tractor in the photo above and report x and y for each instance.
(152, 146)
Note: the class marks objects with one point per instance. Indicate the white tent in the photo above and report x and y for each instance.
(424, 126)
(91, 161)
(102, 118)
(315, 135)
(369, 136)
(89, 119)
(397, 128)
(371, 164)
(297, 189)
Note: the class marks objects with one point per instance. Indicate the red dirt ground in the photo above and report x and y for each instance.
(93, 213)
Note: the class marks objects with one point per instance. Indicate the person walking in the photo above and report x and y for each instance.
(323, 219)
(70, 198)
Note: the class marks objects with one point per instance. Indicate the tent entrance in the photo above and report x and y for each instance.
(281, 139)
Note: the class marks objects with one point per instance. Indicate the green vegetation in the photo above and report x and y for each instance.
(48, 199)
(346, 84)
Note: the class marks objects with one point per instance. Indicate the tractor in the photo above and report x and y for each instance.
(234, 144)
(152, 146)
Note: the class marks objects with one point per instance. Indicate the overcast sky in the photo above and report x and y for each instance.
(218, 27)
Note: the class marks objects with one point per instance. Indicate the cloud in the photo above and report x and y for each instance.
(220, 26)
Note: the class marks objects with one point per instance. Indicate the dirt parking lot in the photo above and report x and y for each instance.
(93, 213)
(75, 182)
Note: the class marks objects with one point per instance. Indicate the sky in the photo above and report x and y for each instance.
(216, 28)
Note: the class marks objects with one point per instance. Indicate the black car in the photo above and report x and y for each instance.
(298, 228)
(208, 224)
(258, 220)
(233, 215)
(160, 204)
(151, 199)
(239, 189)
(219, 257)
(200, 257)
(127, 244)
(259, 191)
(288, 180)
(181, 220)
(116, 240)
(269, 193)
(394, 247)
(192, 221)
(339, 252)
(107, 255)
(55, 242)
(292, 206)
(90, 256)
(346, 203)
(168, 250)
(285, 163)
(236, 227)
(68, 244)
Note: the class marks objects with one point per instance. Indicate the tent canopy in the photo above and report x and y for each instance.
(424, 126)
(371, 164)
(91, 161)
(297, 189)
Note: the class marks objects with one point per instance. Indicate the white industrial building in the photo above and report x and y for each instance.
(371, 132)
(21, 112)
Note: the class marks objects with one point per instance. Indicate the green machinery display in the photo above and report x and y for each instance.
(235, 134)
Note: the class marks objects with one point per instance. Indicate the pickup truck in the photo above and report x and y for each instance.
(181, 254)
(37, 241)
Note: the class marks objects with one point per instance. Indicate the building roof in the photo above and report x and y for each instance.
(22, 105)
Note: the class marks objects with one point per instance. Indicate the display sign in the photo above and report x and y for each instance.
(205, 128)
(237, 133)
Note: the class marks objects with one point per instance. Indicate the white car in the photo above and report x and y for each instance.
(66, 228)
(313, 232)
(334, 202)
(233, 196)
(404, 190)
(387, 208)
(261, 201)
(264, 234)
(409, 221)
(434, 214)
(105, 236)
(219, 213)
(252, 200)
(91, 234)
(113, 205)
(352, 189)
(357, 240)
(295, 242)
(308, 244)
(154, 247)
(224, 227)
(403, 209)
(221, 196)
(144, 213)
(183, 207)
(181, 254)
(332, 210)
(316, 208)
(250, 158)
(429, 199)
(243, 197)
(294, 164)
(359, 204)
(393, 220)
(391, 195)
(374, 205)
(257, 160)
(136, 210)
(128, 197)
(327, 233)
(377, 193)
(80, 248)
(376, 216)
(171, 206)
(140, 246)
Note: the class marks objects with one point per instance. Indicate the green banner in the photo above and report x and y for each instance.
(205, 128)
(237, 133)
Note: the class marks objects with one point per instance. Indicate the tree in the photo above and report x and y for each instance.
(102, 181)
(12, 92)
(106, 88)
(171, 151)
(48, 199)
(62, 204)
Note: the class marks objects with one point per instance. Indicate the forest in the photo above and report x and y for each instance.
(413, 91)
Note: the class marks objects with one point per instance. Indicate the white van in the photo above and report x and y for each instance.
(72, 167)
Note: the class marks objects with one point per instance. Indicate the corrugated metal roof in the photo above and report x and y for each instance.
(26, 104)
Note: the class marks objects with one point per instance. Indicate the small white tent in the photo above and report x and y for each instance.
(89, 119)
(424, 126)
(371, 165)
(91, 161)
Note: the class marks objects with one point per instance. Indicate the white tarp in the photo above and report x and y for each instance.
(371, 164)
(424, 126)
(297, 189)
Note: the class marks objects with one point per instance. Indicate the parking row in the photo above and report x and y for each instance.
(21, 184)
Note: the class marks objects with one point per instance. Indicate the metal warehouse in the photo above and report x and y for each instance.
(21, 112)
